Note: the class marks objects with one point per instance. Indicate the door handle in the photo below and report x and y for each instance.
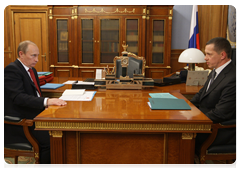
(44, 56)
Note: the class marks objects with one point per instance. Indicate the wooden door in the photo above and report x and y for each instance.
(33, 27)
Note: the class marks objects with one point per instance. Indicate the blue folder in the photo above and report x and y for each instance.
(168, 104)
(51, 86)
(44, 73)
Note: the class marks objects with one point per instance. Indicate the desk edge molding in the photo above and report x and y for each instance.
(82, 126)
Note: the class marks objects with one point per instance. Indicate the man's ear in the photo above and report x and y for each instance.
(223, 55)
(20, 53)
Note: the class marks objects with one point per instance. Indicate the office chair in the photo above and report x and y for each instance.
(22, 149)
(221, 144)
(129, 65)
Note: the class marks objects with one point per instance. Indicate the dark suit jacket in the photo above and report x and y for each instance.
(20, 99)
(219, 102)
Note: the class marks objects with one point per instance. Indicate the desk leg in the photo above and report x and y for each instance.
(187, 148)
(56, 145)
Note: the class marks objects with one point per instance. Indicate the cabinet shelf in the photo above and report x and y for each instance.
(109, 52)
(88, 41)
(87, 29)
(111, 41)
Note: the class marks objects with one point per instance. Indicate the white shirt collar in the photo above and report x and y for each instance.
(27, 68)
(219, 69)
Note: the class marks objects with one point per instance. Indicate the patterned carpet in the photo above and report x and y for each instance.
(28, 162)
(21, 160)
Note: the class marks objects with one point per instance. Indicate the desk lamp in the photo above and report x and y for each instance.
(191, 56)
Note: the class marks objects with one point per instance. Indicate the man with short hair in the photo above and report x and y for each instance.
(217, 98)
(23, 99)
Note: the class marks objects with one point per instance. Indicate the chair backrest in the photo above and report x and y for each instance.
(129, 65)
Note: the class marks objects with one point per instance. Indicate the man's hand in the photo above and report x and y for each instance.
(56, 102)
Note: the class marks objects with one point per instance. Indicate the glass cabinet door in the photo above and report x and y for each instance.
(158, 42)
(62, 40)
(87, 41)
(109, 40)
(132, 35)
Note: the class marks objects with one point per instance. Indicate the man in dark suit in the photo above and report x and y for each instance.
(217, 98)
(22, 98)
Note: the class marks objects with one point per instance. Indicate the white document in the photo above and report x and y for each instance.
(70, 82)
(85, 83)
(73, 92)
(87, 96)
(98, 74)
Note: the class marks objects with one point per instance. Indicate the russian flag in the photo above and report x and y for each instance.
(194, 32)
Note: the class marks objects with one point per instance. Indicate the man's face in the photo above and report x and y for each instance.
(212, 58)
(30, 59)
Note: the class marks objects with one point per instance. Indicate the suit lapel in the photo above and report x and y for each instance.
(217, 81)
(17, 62)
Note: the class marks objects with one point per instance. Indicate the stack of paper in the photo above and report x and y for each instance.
(77, 95)
(166, 101)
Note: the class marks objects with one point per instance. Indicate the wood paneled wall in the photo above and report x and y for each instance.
(212, 23)
(8, 51)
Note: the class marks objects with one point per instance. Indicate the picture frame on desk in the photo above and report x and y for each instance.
(196, 78)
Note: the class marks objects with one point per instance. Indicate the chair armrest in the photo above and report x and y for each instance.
(213, 135)
(25, 123)
(12, 119)
(17, 121)
(229, 122)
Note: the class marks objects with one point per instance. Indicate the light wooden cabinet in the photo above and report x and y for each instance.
(85, 38)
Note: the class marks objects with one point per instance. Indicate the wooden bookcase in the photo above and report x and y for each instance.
(85, 38)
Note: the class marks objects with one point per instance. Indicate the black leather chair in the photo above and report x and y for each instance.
(22, 149)
(134, 65)
(221, 144)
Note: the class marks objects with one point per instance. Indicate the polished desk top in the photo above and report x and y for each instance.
(109, 108)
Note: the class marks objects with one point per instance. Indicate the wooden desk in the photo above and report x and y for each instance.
(118, 126)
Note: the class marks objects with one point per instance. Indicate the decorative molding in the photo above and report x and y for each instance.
(188, 135)
(74, 66)
(36, 155)
(121, 126)
(144, 11)
(116, 11)
(56, 134)
(74, 13)
(50, 14)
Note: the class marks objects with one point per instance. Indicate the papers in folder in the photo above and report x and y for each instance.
(77, 95)
(166, 101)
